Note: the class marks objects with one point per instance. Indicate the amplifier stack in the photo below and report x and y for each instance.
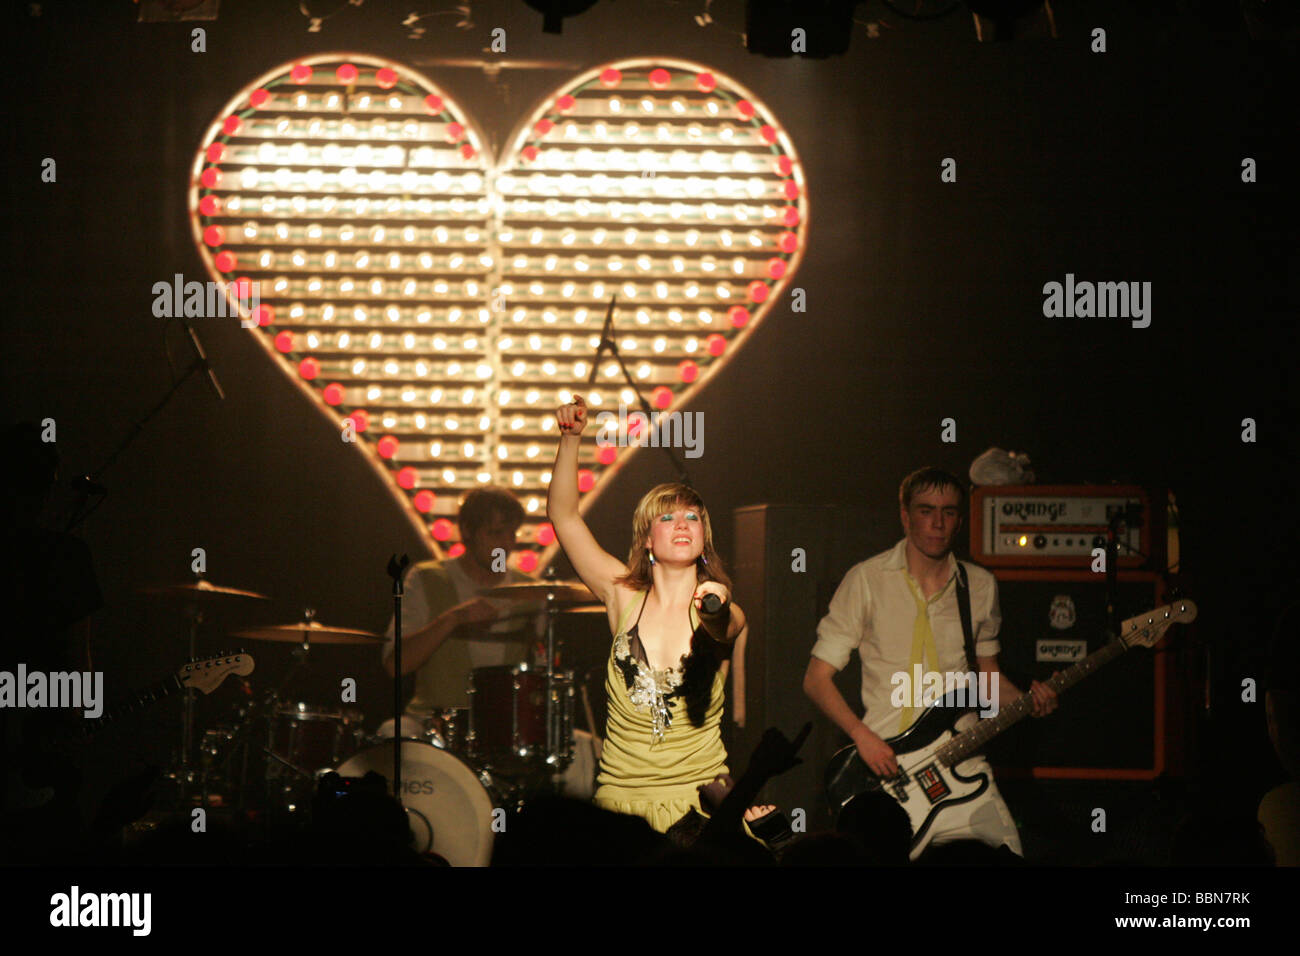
(1047, 547)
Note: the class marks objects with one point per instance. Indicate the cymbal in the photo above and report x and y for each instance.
(199, 590)
(310, 632)
(566, 592)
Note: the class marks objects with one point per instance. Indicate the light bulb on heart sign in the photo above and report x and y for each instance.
(437, 303)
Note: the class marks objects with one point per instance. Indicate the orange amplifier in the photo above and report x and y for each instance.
(1058, 526)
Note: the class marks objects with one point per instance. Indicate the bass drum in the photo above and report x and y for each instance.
(449, 810)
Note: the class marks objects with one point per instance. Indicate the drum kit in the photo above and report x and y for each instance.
(457, 765)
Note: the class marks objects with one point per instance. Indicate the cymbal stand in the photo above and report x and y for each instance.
(556, 760)
(195, 614)
(301, 656)
(301, 662)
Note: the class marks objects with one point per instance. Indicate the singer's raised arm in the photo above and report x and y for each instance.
(597, 568)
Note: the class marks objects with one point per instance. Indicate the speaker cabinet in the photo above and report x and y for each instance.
(1120, 723)
(783, 606)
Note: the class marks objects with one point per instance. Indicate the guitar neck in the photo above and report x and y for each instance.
(145, 698)
(974, 740)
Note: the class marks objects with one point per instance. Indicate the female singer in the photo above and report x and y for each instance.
(668, 664)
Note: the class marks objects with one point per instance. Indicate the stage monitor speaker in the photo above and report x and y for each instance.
(789, 559)
(1122, 722)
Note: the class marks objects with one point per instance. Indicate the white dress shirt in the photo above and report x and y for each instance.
(873, 612)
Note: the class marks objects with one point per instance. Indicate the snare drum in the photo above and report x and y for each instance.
(508, 721)
(448, 808)
(446, 728)
(314, 738)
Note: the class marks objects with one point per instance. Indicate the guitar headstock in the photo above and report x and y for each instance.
(206, 675)
(1145, 629)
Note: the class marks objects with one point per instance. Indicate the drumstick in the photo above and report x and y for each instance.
(596, 743)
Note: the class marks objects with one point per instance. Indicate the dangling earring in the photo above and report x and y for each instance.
(704, 559)
(652, 557)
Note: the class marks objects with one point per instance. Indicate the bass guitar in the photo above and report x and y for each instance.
(928, 752)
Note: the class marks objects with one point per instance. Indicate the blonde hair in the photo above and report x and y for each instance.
(659, 501)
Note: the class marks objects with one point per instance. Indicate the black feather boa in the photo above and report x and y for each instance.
(696, 688)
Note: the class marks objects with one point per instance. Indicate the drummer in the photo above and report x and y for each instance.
(449, 628)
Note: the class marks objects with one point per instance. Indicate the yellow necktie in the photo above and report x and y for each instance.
(922, 647)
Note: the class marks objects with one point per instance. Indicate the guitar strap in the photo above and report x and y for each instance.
(963, 607)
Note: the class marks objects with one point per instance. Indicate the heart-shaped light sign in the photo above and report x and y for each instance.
(439, 304)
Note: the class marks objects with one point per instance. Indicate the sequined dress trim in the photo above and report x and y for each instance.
(651, 690)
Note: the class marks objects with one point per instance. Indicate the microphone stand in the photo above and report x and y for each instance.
(200, 363)
(1112, 574)
(607, 342)
(1121, 519)
(397, 571)
(81, 508)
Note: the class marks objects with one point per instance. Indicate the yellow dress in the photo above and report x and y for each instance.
(654, 758)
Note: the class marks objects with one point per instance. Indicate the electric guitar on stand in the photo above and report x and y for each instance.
(44, 747)
(928, 752)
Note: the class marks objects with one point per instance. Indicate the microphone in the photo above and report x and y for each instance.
(715, 617)
(203, 360)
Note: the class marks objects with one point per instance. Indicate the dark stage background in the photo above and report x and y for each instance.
(924, 303)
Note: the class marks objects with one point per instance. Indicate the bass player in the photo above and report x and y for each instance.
(900, 609)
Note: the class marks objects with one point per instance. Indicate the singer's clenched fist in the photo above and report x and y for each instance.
(572, 417)
(710, 587)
